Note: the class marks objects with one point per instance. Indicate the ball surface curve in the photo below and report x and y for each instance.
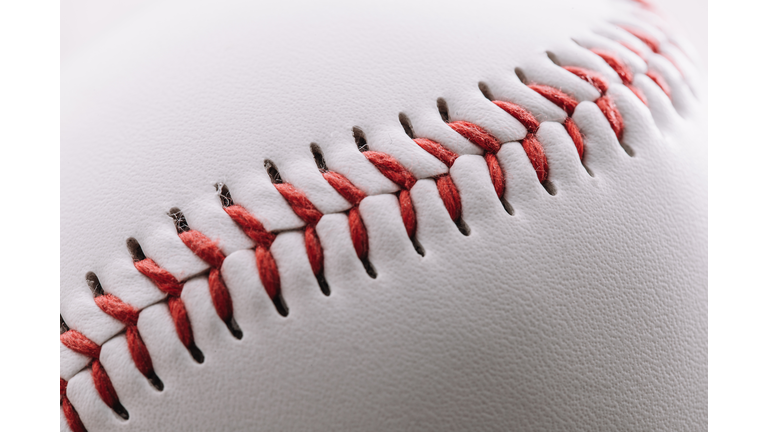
(404, 216)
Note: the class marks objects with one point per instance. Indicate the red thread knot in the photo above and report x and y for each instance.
(646, 38)
(593, 78)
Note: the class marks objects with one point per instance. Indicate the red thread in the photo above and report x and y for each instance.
(438, 151)
(344, 187)
(633, 49)
(268, 273)
(358, 233)
(406, 210)
(575, 134)
(129, 316)
(557, 97)
(660, 81)
(222, 301)
(168, 284)
(70, 414)
(203, 247)
(521, 114)
(161, 277)
(250, 225)
(612, 114)
(497, 175)
(639, 93)
(80, 344)
(299, 203)
(450, 195)
(104, 385)
(531, 144)
(476, 135)
(314, 249)
(625, 73)
(645, 38)
(391, 169)
(596, 80)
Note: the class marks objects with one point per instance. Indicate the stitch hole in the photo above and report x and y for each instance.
(630, 151)
(224, 196)
(317, 153)
(442, 108)
(274, 174)
(521, 76)
(589, 171)
(234, 328)
(178, 220)
(507, 206)
(120, 410)
(324, 288)
(406, 123)
(155, 380)
(280, 305)
(196, 354)
(417, 246)
(63, 327)
(369, 268)
(549, 187)
(93, 283)
(553, 58)
(359, 135)
(485, 90)
(462, 226)
(134, 248)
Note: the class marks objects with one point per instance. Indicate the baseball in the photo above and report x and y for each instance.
(404, 216)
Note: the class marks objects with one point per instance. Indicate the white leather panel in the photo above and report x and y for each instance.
(583, 310)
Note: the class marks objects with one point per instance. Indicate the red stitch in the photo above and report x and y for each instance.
(406, 210)
(391, 169)
(222, 301)
(70, 414)
(575, 134)
(633, 49)
(268, 273)
(358, 233)
(162, 278)
(438, 151)
(645, 38)
(314, 249)
(80, 344)
(129, 316)
(104, 385)
(203, 247)
(596, 80)
(521, 114)
(118, 309)
(299, 203)
(625, 73)
(62, 389)
(344, 187)
(250, 225)
(450, 195)
(497, 175)
(660, 81)
(181, 321)
(535, 152)
(476, 135)
(557, 97)
(612, 114)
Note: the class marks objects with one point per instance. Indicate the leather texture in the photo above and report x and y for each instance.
(583, 310)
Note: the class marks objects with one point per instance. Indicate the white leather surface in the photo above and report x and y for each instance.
(585, 310)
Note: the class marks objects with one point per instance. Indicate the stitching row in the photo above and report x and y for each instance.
(208, 251)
